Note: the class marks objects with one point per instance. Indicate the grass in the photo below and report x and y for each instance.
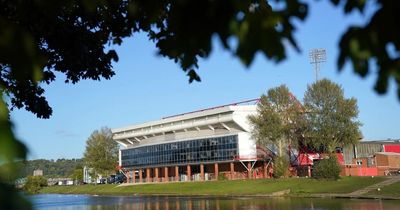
(392, 190)
(297, 186)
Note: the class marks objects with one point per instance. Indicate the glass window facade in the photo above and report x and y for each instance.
(192, 151)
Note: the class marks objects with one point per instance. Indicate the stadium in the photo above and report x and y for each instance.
(208, 144)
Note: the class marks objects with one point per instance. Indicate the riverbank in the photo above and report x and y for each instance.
(296, 187)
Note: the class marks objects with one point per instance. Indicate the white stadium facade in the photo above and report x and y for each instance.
(196, 146)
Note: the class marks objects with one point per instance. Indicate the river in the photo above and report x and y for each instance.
(78, 202)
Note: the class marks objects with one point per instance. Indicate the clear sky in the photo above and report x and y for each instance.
(147, 87)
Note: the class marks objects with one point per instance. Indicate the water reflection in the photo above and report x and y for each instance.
(73, 202)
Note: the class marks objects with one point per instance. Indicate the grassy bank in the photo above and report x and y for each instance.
(297, 186)
(392, 190)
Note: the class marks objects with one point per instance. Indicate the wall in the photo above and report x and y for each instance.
(352, 170)
(247, 146)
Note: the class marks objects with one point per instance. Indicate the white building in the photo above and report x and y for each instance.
(87, 178)
(38, 172)
(195, 145)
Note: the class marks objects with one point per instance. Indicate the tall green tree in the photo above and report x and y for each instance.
(101, 152)
(331, 118)
(77, 174)
(278, 120)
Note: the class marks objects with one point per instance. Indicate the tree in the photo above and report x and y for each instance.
(34, 184)
(77, 174)
(331, 119)
(101, 152)
(279, 119)
(70, 36)
(281, 165)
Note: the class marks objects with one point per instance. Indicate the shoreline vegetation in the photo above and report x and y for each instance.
(287, 187)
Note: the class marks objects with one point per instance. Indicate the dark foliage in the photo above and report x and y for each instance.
(70, 37)
(10, 198)
(327, 168)
(374, 46)
(40, 38)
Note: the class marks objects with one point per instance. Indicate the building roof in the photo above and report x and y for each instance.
(389, 153)
(232, 117)
(386, 141)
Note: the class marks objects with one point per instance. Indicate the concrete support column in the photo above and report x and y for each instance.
(203, 204)
(166, 205)
(128, 174)
(188, 172)
(216, 172)
(133, 176)
(249, 170)
(140, 175)
(232, 166)
(189, 205)
(202, 172)
(165, 174)
(156, 175)
(148, 174)
(265, 170)
(217, 205)
(176, 173)
(234, 206)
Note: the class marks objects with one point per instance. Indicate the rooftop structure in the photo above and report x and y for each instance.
(218, 120)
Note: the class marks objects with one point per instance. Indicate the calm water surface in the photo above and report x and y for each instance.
(75, 202)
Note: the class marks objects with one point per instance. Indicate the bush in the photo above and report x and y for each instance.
(34, 184)
(328, 168)
(281, 165)
(222, 177)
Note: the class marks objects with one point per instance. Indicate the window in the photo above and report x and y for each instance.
(193, 151)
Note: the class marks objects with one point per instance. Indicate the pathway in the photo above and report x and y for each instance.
(361, 193)
(389, 181)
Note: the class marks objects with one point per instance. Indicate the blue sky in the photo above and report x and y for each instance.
(147, 87)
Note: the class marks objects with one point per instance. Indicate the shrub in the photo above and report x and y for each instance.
(328, 168)
(281, 165)
(34, 184)
(222, 177)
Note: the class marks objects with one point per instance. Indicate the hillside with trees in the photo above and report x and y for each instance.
(51, 168)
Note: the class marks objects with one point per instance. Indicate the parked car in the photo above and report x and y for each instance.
(116, 179)
(102, 181)
(120, 178)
